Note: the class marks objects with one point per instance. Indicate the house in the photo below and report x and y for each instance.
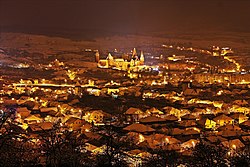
(62, 97)
(246, 139)
(175, 112)
(218, 104)
(187, 123)
(189, 144)
(73, 102)
(33, 119)
(136, 127)
(54, 113)
(10, 102)
(96, 116)
(184, 112)
(176, 131)
(37, 127)
(36, 107)
(47, 109)
(172, 111)
(198, 111)
(171, 118)
(134, 137)
(231, 133)
(210, 124)
(240, 102)
(94, 91)
(191, 131)
(222, 120)
(239, 117)
(188, 117)
(152, 120)
(172, 140)
(160, 141)
(135, 157)
(215, 139)
(23, 112)
(86, 127)
(246, 124)
(22, 100)
(172, 147)
(29, 104)
(53, 116)
(95, 149)
(191, 92)
(74, 123)
(154, 111)
(113, 90)
(238, 109)
(229, 127)
(233, 144)
(133, 114)
(91, 136)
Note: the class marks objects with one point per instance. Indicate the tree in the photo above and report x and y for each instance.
(62, 148)
(15, 147)
(113, 154)
(206, 155)
(241, 159)
(162, 158)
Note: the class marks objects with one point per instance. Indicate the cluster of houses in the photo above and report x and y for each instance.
(169, 128)
(217, 114)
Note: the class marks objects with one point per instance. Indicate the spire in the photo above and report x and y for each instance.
(142, 57)
(134, 53)
(110, 57)
(97, 56)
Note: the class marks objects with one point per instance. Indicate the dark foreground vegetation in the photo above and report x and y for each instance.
(57, 147)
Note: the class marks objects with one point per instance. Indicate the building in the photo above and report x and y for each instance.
(96, 116)
(222, 78)
(75, 123)
(222, 120)
(134, 114)
(122, 63)
(210, 124)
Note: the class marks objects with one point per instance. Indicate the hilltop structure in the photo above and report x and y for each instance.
(124, 63)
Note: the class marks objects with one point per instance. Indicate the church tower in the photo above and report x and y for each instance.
(110, 60)
(97, 56)
(142, 58)
(134, 54)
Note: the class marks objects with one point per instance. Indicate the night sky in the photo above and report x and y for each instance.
(120, 16)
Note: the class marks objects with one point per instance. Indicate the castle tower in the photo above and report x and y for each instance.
(132, 62)
(110, 57)
(142, 58)
(134, 54)
(97, 56)
(110, 60)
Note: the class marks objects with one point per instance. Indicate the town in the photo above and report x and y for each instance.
(132, 106)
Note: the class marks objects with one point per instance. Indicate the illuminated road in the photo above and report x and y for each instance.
(238, 67)
(234, 62)
(48, 85)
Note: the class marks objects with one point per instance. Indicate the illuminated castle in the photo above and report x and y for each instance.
(122, 63)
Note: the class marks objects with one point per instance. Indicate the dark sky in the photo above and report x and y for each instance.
(124, 16)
